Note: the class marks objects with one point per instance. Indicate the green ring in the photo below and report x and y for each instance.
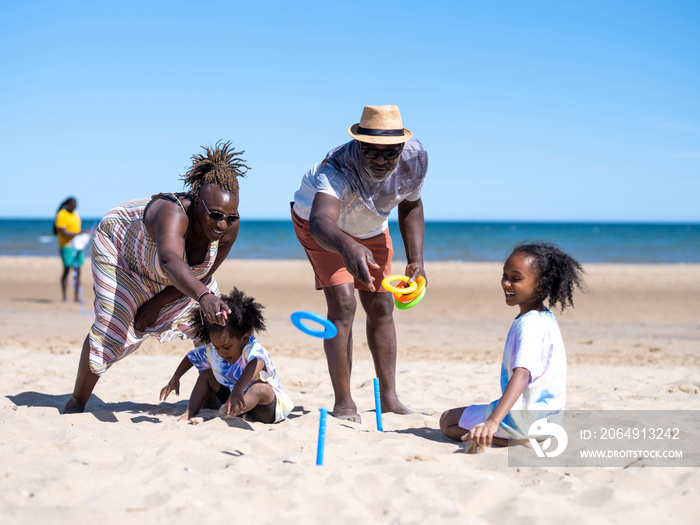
(410, 304)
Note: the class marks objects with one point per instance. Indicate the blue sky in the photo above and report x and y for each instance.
(530, 110)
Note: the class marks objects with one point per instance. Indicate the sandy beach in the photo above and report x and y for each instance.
(633, 342)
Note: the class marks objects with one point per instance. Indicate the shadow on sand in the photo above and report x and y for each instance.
(105, 412)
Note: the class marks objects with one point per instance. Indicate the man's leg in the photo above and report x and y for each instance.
(341, 303)
(381, 338)
(85, 382)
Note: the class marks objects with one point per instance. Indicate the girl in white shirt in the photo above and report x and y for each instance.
(533, 370)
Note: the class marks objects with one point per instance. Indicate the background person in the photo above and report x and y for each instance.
(66, 226)
(154, 259)
(340, 217)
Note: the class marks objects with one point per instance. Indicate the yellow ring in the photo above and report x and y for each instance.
(405, 298)
(386, 283)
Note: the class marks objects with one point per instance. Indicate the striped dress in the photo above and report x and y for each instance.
(126, 274)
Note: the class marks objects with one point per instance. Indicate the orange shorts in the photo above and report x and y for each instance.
(328, 266)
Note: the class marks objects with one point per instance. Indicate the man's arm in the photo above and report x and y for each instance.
(323, 225)
(412, 226)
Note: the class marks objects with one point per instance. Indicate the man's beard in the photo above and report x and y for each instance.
(369, 175)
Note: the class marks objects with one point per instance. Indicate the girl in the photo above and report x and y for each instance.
(234, 368)
(533, 371)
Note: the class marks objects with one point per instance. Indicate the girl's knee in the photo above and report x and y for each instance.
(450, 418)
(263, 392)
(207, 377)
(443, 421)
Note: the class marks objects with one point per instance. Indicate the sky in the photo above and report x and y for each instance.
(530, 110)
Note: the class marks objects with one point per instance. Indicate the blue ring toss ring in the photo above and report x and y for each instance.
(329, 330)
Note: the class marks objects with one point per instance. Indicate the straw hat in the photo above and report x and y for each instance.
(380, 125)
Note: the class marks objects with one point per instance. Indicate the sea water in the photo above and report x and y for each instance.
(444, 241)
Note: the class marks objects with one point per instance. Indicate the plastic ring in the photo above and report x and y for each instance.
(329, 330)
(410, 304)
(404, 298)
(386, 283)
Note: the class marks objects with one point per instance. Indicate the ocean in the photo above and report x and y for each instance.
(444, 241)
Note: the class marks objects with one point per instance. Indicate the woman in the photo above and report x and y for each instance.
(66, 226)
(154, 259)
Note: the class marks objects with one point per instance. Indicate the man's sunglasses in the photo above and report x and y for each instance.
(217, 215)
(388, 154)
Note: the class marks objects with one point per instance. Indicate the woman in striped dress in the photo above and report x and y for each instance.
(154, 259)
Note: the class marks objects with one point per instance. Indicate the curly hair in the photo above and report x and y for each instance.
(246, 317)
(559, 272)
(220, 165)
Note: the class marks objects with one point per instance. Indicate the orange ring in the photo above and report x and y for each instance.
(386, 283)
(407, 297)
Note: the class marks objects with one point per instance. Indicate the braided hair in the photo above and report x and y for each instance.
(220, 165)
(63, 205)
(559, 273)
(245, 317)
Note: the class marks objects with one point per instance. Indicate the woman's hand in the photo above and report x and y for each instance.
(214, 309)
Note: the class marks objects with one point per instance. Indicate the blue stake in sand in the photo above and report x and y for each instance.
(321, 436)
(378, 405)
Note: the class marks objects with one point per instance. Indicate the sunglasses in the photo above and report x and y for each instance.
(388, 154)
(217, 215)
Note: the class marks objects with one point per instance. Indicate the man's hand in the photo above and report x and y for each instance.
(358, 260)
(413, 270)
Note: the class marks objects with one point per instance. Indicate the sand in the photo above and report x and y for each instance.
(633, 342)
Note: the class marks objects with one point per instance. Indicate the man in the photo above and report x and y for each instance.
(340, 217)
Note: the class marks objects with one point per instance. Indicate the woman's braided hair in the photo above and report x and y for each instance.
(559, 273)
(220, 165)
(245, 318)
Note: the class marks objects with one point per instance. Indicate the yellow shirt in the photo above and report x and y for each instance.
(69, 221)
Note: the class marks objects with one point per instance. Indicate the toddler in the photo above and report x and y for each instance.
(234, 368)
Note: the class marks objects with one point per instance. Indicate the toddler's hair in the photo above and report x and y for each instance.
(558, 271)
(245, 317)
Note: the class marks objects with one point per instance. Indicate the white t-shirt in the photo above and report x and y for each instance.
(534, 342)
(365, 204)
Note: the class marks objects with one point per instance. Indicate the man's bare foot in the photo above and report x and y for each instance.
(74, 406)
(395, 406)
(346, 413)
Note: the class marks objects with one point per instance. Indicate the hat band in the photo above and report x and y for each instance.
(380, 132)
